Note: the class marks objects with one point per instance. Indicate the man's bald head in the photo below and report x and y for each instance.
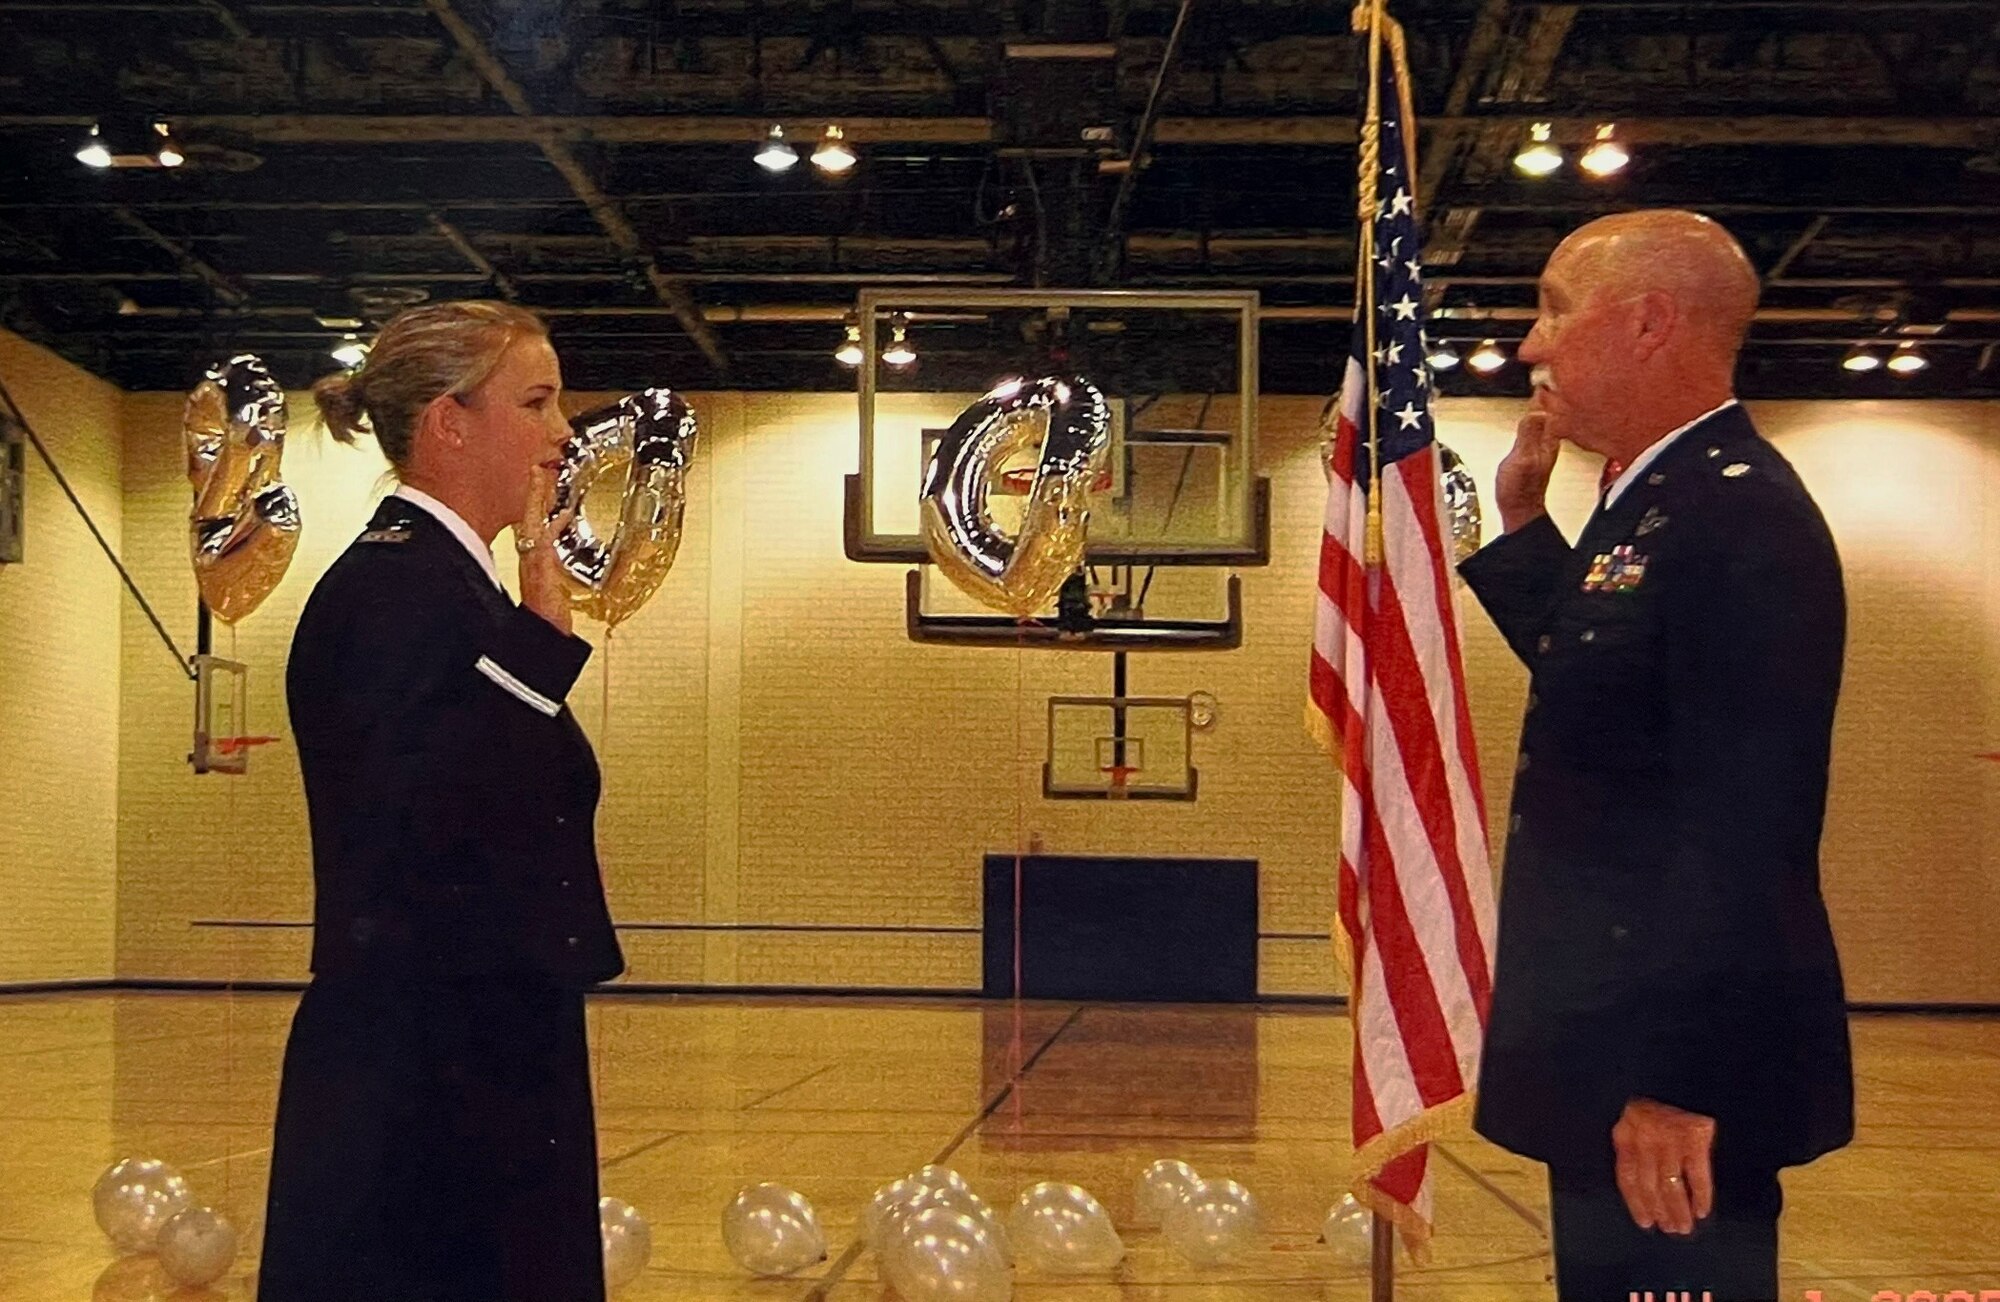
(1641, 318)
(1685, 255)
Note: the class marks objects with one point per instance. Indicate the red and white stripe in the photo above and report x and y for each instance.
(1416, 893)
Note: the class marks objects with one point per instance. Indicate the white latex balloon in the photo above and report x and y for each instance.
(876, 1217)
(134, 1198)
(628, 1242)
(1350, 1232)
(963, 1201)
(1219, 1223)
(771, 1230)
(940, 1255)
(940, 1177)
(1061, 1228)
(1160, 1186)
(196, 1246)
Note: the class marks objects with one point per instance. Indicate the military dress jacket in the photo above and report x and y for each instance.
(1662, 933)
(452, 795)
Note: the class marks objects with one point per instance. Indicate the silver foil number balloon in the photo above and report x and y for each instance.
(1159, 1187)
(770, 1230)
(1218, 1223)
(1349, 1230)
(628, 1242)
(940, 1255)
(134, 1198)
(244, 525)
(1061, 1228)
(635, 451)
(1064, 421)
(196, 1246)
(1461, 503)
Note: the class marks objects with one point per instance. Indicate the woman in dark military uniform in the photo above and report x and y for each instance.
(435, 1138)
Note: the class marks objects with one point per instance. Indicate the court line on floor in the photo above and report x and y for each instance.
(1506, 1199)
(845, 1262)
(647, 1147)
(761, 1100)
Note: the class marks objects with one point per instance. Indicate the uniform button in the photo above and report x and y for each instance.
(1533, 700)
(1588, 635)
(1544, 642)
(565, 883)
(561, 820)
(1521, 764)
(1514, 824)
(574, 942)
(1618, 933)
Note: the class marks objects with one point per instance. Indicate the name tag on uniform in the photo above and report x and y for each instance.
(1619, 570)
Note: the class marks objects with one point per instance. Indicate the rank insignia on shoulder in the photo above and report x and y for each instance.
(1652, 522)
(393, 534)
(1619, 570)
(1736, 470)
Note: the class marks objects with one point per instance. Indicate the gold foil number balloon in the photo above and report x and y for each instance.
(634, 452)
(1461, 503)
(1065, 423)
(245, 523)
(134, 1198)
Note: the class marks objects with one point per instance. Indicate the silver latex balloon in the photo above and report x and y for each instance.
(877, 1218)
(959, 1198)
(943, 1256)
(1061, 1228)
(770, 1230)
(244, 525)
(1219, 1223)
(635, 451)
(1461, 503)
(1161, 1185)
(1349, 1230)
(134, 1198)
(935, 1176)
(196, 1246)
(628, 1242)
(1065, 421)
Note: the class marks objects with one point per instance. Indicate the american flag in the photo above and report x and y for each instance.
(1388, 703)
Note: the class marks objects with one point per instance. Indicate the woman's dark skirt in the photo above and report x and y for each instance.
(435, 1143)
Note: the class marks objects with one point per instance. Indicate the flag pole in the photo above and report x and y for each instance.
(1372, 13)
(1382, 1231)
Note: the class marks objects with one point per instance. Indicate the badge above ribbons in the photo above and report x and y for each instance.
(640, 448)
(244, 525)
(1066, 421)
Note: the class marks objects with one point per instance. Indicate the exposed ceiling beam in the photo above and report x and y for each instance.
(224, 287)
(1814, 229)
(603, 208)
(470, 252)
(1974, 131)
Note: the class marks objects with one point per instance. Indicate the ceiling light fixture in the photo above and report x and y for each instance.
(900, 352)
(1487, 358)
(1606, 156)
(775, 155)
(1861, 360)
(1906, 360)
(1539, 156)
(350, 352)
(1442, 357)
(849, 353)
(833, 154)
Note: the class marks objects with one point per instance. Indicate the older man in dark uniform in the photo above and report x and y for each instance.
(1668, 1025)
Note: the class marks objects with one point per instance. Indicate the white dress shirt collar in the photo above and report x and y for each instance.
(460, 530)
(1652, 454)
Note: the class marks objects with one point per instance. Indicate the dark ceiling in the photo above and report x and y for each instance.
(592, 159)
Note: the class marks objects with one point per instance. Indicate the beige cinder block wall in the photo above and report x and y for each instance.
(777, 752)
(59, 671)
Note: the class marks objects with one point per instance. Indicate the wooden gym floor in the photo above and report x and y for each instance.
(834, 1097)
